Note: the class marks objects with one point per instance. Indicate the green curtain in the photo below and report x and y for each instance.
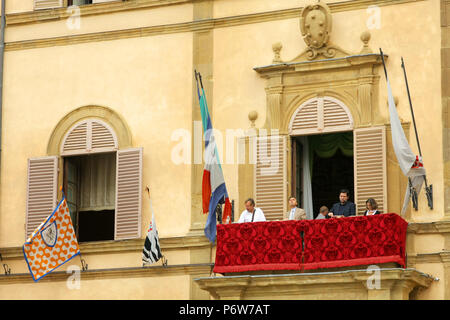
(326, 145)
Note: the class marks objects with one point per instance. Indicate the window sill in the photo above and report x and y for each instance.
(112, 273)
(122, 246)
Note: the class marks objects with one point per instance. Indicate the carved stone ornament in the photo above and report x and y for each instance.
(315, 26)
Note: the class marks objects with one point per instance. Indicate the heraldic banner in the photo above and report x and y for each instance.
(52, 244)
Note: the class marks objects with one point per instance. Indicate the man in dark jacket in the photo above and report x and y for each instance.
(343, 208)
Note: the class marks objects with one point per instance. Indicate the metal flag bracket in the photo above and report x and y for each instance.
(84, 265)
(5, 266)
(212, 273)
(429, 192)
(414, 197)
(164, 261)
(219, 213)
(7, 269)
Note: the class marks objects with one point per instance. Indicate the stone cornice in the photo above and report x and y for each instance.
(436, 227)
(434, 257)
(445, 257)
(192, 26)
(121, 246)
(171, 270)
(40, 16)
(217, 286)
(316, 65)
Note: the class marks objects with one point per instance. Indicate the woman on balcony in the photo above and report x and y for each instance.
(371, 206)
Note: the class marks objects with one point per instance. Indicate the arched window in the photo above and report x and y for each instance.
(89, 136)
(321, 116)
(102, 183)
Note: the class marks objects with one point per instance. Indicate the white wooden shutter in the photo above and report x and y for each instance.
(128, 194)
(271, 176)
(306, 117)
(76, 139)
(102, 136)
(47, 4)
(321, 115)
(370, 167)
(89, 136)
(335, 117)
(41, 191)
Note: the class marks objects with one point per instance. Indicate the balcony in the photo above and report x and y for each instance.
(351, 258)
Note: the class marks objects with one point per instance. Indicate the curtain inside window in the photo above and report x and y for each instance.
(326, 145)
(98, 182)
(307, 187)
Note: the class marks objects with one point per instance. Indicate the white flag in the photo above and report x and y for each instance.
(152, 250)
(410, 164)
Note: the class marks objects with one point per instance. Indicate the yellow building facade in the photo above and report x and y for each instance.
(126, 69)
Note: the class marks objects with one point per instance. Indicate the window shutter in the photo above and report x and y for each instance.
(334, 115)
(321, 115)
(47, 4)
(76, 140)
(271, 176)
(89, 136)
(128, 194)
(102, 136)
(370, 167)
(307, 117)
(41, 191)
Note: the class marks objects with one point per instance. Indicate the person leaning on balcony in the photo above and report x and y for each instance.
(295, 213)
(371, 206)
(323, 213)
(343, 208)
(251, 214)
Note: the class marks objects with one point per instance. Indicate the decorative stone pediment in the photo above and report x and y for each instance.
(316, 24)
(322, 69)
(330, 51)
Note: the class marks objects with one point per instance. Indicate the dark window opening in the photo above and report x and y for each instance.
(78, 2)
(96, 225)
(89, 185)
(329, 176)
(330, 170)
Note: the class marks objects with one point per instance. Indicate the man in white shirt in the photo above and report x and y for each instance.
(251, 214)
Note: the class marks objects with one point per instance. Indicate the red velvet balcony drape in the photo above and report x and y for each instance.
(330, 243)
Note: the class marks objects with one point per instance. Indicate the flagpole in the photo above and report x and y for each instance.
(384, 63)
(413, 191)
(163, 257)
(411, 107)
(201, 82)
(428, 189)
(219, 206)
(196, 79)
(84, 265)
